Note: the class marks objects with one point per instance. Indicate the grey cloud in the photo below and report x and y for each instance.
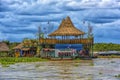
(102, 16)
(20, 31)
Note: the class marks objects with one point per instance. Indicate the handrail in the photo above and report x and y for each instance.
(67, 41)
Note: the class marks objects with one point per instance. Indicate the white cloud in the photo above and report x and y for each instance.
(109, 3)
(94, 4)
(112, 25)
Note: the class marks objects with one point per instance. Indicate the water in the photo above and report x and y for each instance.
(103, 69)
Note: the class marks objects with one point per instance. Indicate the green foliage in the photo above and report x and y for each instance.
(13, 44)
(30, 43)
(3, 54)
(106, 47)
(7, 42)
(5, 61)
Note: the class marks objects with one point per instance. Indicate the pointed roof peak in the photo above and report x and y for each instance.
(66, 28)
(67, 17)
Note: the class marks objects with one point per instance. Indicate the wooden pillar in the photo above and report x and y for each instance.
(28, 53)
(62, 39)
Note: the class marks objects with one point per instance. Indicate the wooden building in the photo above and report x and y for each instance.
(27, 48)
(67, 33)
(4, 49)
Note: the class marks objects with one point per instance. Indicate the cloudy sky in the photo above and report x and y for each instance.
(20, 19)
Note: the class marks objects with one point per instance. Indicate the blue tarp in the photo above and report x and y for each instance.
(69, 46)
(21, 53)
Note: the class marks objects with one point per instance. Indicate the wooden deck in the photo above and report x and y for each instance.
(67, 41)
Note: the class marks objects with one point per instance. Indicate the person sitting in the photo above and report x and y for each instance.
(81, 53)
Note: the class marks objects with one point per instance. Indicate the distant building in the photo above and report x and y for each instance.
(25, 49)
(4, 49)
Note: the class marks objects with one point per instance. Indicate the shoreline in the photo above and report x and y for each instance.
(112, 56)
(13, 60)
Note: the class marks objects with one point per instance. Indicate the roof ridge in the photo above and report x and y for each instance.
(66, 27)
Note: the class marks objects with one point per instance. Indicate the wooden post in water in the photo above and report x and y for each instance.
(92, 45)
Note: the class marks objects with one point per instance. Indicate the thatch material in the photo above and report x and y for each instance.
(67, 28)
(4, 47)
(25, 49)
(19, 46)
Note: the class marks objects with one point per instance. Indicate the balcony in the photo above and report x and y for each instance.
(66, 41)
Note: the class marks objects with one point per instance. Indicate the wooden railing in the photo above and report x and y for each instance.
(48, 41)
(67, 41)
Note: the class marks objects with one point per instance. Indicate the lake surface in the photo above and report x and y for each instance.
(100, 69)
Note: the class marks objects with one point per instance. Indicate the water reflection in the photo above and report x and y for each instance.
(103, 69)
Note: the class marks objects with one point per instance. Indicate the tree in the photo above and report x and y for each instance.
(48, 28)
(7, 42)
(106, 47)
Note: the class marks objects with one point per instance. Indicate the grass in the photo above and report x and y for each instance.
(6, 61)
(111, 56)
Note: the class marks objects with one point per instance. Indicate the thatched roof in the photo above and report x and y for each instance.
(25, 49)
(67, 28)
(3, 47)
(19, 46)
